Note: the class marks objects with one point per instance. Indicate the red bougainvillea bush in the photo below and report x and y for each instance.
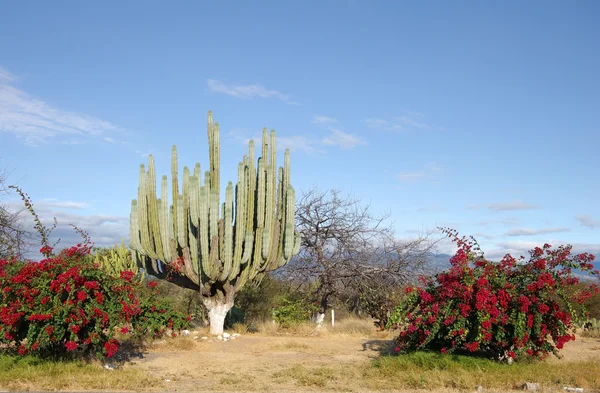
(513, 308)
(65, 304)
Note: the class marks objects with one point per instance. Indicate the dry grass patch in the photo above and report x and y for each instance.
(433, 372)
(349, 327)
(424, 370)
(28, 373)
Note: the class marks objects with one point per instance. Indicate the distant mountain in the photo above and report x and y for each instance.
(439, 262)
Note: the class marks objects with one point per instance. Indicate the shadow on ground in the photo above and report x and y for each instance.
(384, 347)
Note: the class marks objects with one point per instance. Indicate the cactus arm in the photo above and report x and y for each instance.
(175, 187)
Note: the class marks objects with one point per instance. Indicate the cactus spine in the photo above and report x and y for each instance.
(216, 248)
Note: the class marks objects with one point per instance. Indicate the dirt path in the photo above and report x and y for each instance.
(254, 363)
(281, 364)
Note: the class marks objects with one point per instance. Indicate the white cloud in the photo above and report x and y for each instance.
(6, 76)
(533, 232)
(294, 143)
(407, 120)
(297, 142)
(588, 221)
(104, 230)
(408, 176)
(36, 122)
(382, 124)
(413, 119)
(522, 248)
(49, 203)
(514, 205)
(248, 91)
(324, 120)
(431, 170)
(342, 139)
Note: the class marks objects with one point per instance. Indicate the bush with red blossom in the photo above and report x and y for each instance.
(513, 308)
(65, 304)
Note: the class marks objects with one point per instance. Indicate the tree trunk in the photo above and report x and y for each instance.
(217, 307)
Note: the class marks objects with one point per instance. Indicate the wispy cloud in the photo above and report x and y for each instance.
(533, 232)
(382, 124)
(342, 139)
(408, 120)
(430, 170)
(408, 176)
(36, 122)
(50, 203)
(302, 143)
(514, 205)
(414, 119)
(6, 76)
(247, 92)
(324, 120)
(337, 136)
(298, 142)
(588, 221)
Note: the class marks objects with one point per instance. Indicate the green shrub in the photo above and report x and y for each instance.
(294, 311)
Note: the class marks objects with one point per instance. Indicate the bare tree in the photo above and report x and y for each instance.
(345, 248)
(14, 238)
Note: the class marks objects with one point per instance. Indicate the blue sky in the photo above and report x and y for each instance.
(482, 116)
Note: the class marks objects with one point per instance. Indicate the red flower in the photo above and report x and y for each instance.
(71, 345)
(111, 347)
(152, 284)
(81, 296)
(127, 275)
(124, 330)
(91, 285)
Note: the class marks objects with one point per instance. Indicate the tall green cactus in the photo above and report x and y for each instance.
(216, 248)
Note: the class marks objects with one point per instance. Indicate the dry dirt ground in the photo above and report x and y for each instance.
(280, 363)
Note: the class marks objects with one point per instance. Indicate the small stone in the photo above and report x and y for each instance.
(219, 337)
(109, 367)
(204, 338)
(225, 339)
(479, 388)
(234, 335)
(226, 335)
(195, 337)
(185, 333)
(531, 386)
(570, 389)
(167, 380)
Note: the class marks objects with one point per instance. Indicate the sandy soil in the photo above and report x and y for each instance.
(261, 363)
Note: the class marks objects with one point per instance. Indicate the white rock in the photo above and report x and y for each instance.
(185, 333)
(225, 339)
(204, 338)
(531, 386)
(219, 337)
(226, 335)
(109, 367)
(569, 389)
(167, 380)
(195, 337)
(234, 335)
